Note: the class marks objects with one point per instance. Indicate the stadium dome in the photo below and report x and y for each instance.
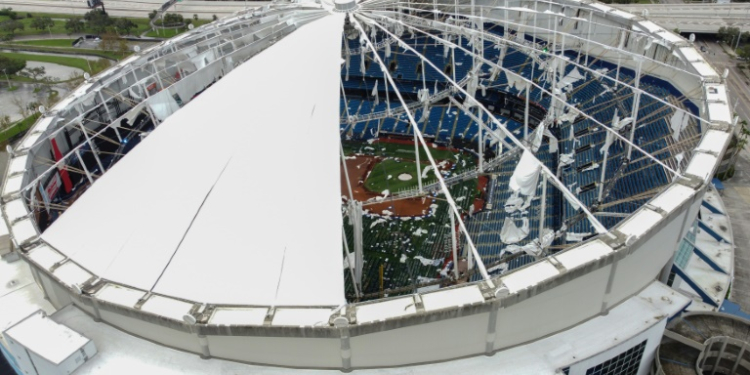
(348, 185)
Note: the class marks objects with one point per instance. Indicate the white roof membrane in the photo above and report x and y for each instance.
(235, 198)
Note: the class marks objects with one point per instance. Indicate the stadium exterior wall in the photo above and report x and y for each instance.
(578, 284)
(575, 296)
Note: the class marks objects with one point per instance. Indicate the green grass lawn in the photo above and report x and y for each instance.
(48, 42)
(379, 180)
(72, 50)
(72, 62)
(17, 128)
(168, 33)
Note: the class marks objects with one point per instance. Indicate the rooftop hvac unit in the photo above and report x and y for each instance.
(40, 346)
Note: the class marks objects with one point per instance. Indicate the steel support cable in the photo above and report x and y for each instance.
(593, 72)
(553, 179)
(346, 106)
(624, 84)
(461, 30)
(436, 170)
(114, 126)
(101, 136)
(67, 167)
(488, 62)
(52, 205)
(535, 28)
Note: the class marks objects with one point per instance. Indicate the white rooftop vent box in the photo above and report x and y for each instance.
(41, 346)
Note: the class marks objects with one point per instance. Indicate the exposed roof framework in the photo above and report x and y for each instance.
(392, 18)
(191, 264)
(450, 24)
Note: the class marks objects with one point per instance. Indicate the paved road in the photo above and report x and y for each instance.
(737, 189)
(698, 18)
(738, 84)
(737, 203)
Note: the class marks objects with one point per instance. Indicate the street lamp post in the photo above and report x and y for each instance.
(6, 78)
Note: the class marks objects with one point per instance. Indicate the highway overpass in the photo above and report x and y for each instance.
(694, 18)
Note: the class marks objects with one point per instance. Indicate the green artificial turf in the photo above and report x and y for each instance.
(384, 176)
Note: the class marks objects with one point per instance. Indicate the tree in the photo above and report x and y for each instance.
(33, 106)
(195, 17)
(23, 107)
(123, 48)
(9, 13)
(740, 139)
(74, 80)
(5, 121)
(11, 26)
(35, 73)
(50, 97)
(152, 15)
(728, 34)
(43, 86)
(74, 25)
(42, 23)
(215, 18)
(744, 52)
(124, 25)
(109, 42)
(171, 19)
(11, 66)
(97, 21)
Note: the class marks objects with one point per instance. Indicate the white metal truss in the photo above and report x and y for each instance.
(550, 175)
(526, 80)
(527, 48)
(435, 169)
